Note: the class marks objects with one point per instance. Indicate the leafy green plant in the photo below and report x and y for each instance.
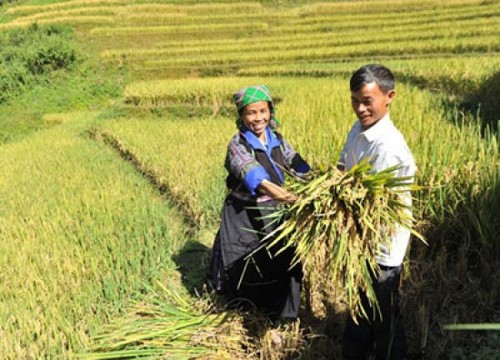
(27, 54)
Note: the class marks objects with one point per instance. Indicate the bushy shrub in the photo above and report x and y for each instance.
(28, 55)
(5, 2)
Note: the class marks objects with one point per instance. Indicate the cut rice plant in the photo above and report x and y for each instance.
(169, 325)
(285, 341)
(338, 225)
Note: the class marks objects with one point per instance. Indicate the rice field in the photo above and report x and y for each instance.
(165, 38)
(456, 163)
(313, 131)
(81, 232)
(96, 208)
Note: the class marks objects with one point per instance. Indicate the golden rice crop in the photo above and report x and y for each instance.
(83, 11)
(202, 49)
(182, 156)
(381, 6)
(422, 14)
(27, 9)
(467, 69)
(196, 92)
(338, 224)
(339, 28)
(177, 29)
(217, 8)
(76, 19)
(274, 38)
(457, 45)
(397, 23)
(194, 10)
(81, 231)
(137, 18)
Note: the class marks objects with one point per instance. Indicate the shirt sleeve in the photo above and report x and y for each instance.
(242, 164)
(341, 162)
(406, 163)
(386, 158)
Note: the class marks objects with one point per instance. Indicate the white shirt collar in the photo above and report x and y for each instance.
(377, 130)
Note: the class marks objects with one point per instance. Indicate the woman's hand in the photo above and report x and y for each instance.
(277, 192)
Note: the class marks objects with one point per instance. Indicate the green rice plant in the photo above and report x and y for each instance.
(338, 224)
(169, 325)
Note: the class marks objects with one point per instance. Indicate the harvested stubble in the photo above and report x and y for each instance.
(169, 325)
(338, 224)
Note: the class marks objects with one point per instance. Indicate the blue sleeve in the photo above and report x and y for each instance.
(242, 164)
(254, 177)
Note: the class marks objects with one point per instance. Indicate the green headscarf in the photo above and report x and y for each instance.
(252, 94)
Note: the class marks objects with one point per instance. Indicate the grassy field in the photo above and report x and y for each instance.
(113, 173)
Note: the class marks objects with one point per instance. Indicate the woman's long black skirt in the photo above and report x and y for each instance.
(265, 281)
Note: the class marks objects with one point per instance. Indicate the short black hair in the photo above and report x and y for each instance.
(377, 73)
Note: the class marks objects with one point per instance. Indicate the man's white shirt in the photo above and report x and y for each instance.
(384, 146)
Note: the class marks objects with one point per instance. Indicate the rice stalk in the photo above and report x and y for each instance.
(171, 326)
(338, 224)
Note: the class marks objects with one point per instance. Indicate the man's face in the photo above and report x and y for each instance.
(370, 104)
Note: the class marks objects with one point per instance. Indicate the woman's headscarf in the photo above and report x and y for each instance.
(252, 94)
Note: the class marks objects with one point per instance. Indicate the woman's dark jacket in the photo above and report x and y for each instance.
(265, 280)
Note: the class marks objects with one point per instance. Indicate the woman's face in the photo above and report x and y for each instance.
(255, 117)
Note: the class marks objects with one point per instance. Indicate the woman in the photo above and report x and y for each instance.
(256, 157)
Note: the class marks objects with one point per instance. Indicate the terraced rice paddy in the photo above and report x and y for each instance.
(85, 222)
(169, 38)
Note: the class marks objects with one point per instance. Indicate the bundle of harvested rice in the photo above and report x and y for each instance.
(169, 326)
(338, 224)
